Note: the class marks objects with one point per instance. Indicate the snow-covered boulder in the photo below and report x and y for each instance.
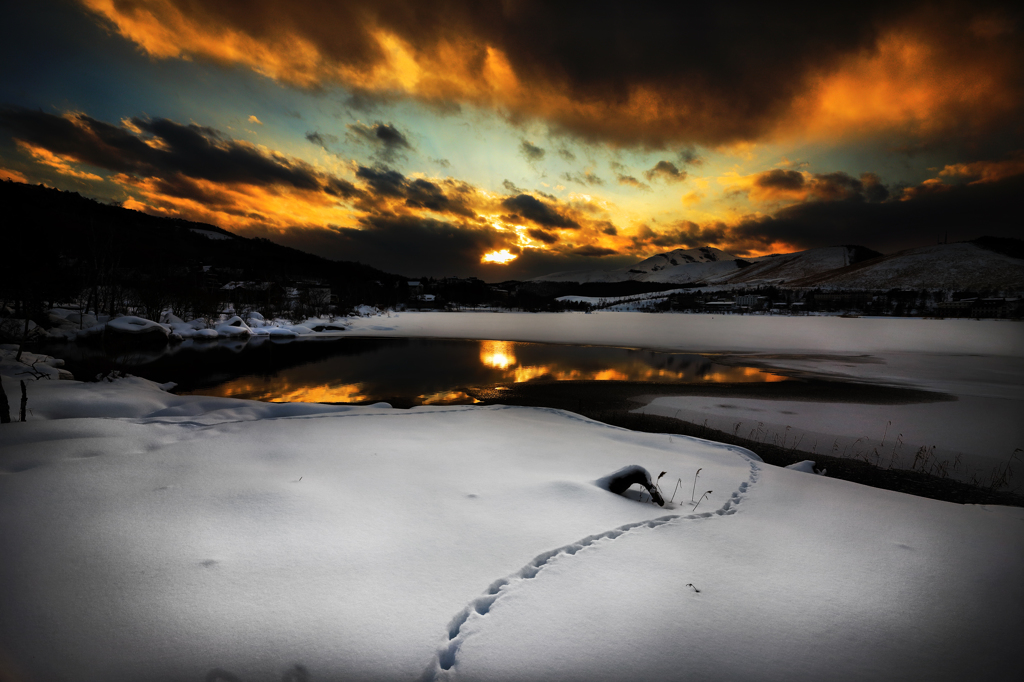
(138, 329)
(365, 311)
(234, 327)
(167, 317)
(806, 466)
(31, 366)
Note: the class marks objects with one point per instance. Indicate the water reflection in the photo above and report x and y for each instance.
(401, 371)
(435, 372)
(636, 366)
(278, 389)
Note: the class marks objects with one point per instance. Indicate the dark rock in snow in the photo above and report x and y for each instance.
(620, 481)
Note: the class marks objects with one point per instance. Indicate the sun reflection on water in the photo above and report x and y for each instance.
(501, 355)
(447, 398)
(497, 362)
(497, 354)
(279, 390)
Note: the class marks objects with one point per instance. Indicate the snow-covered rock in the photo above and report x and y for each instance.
(130, 324)
(31, 366)
(233, 327)
(806, 466)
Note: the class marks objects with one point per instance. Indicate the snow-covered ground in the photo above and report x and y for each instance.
(153, 536)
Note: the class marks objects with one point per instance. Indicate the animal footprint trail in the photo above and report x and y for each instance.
(446, 656)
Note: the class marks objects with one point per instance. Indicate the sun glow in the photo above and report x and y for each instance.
(497, 354)
(501, 257)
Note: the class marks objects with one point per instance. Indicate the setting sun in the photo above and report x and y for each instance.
(502, 257)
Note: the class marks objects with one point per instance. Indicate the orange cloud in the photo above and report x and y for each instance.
(236, 207)
(13, 176)
(61, 164)
(915, 80)
(985, 171)
(720, 83)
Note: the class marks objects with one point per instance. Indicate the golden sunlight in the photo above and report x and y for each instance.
(497, 354)
(501, 257)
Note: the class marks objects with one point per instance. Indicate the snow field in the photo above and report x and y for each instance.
(813, 579)
(153, 536)
(185, 539)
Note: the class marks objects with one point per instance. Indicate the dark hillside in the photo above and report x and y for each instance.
(58, 244)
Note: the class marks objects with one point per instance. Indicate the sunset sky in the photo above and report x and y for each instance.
(512, 139)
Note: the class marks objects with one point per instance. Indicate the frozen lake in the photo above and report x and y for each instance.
(447, 358)
(403, 371)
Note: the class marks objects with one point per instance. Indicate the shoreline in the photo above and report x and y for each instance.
(614, 403)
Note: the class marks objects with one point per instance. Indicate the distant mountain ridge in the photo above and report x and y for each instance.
(985, 263)
(76, 228)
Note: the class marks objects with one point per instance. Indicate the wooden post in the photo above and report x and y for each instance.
(5, 407)
(24, 400)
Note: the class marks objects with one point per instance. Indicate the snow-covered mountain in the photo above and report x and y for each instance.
(682, 266)
(967, 265)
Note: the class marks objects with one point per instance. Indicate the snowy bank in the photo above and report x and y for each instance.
(712, 333)
(153, 536)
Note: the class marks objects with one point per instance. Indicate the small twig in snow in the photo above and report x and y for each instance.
(700, 500)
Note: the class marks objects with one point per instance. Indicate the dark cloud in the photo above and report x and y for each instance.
(689, 157)
(684, 234)
(407, 245)
(194, 151)
(917, 218)
(531, 151)
(384, 137)
(321, 139)
(633, 182)
(645, 74)
(443, 163)
(874, 190)
(383, 181)
(539, 262)
(777, 178)
(609, 229)
(567, 155)
(789, 184)
(341, 188)
(587, 178)
(536, 211)
(511, 187)
(542, 236)
(417, 193)
(591, 251)
(667, 171)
